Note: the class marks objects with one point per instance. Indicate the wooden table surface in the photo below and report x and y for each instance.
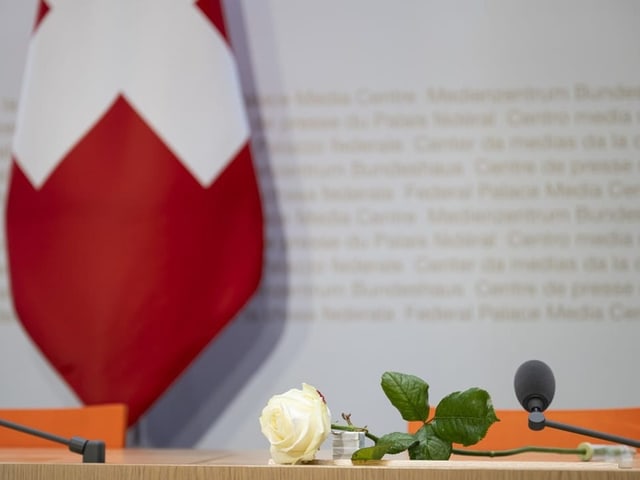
(156, 464)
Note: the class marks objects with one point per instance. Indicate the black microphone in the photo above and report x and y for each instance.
(92, 451)
(535, 386)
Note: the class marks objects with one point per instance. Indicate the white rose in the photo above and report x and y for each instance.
(296, 423)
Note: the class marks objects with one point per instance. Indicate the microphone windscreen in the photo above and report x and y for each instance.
(534, 385)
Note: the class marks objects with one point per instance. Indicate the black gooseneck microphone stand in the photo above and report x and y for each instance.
(537, 421)
(535, 385)
(92, 451)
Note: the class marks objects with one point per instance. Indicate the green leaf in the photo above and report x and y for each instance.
(464, 417)
(391, 443)
(429, 445)
(397, 441)
(375, 452)
(408, 393)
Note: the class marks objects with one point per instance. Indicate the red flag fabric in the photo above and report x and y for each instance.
(134, 223)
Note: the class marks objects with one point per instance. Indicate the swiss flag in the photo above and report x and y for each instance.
(134, 223)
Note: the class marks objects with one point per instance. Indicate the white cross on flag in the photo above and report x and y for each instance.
(134, 223)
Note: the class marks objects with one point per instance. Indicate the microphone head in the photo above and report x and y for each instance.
(534, 385)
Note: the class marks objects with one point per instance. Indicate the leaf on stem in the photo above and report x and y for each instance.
(408, 393)
(429, 445)
(464, 417)
(391, 443)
